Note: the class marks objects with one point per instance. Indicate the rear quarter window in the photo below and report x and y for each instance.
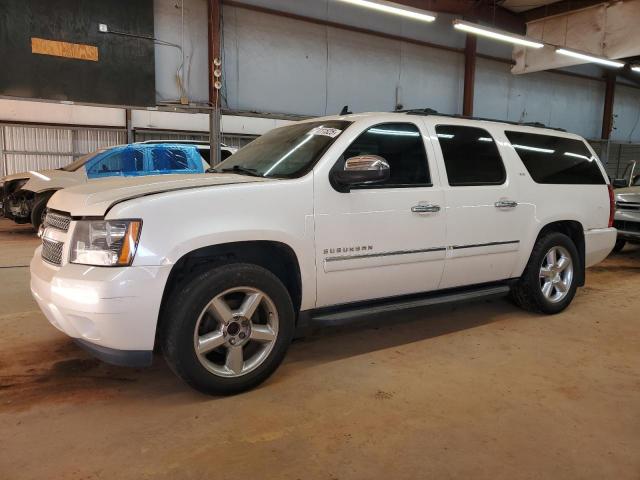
(556, 160)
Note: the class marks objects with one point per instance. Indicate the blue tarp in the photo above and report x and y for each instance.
(137, 160)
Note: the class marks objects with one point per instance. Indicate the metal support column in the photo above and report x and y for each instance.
(129, 123)
(607, 114)
(469, 75)
(215, 63)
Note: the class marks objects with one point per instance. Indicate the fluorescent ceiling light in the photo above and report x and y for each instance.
(446, 135)
(395, 9)
(635, 68)
(485, 139)
(496, 34)
(533, 149)
(589, 57)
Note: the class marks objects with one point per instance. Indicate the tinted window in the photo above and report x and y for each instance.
(127, 160)
(471, 156)
(401, 145)
(557, 160)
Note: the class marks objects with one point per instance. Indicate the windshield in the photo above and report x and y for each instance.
(285, 152)
(76, 164)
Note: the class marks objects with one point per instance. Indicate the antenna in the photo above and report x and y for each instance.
(345, 110)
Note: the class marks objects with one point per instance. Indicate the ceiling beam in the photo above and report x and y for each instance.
(557, 8)
(483, 11)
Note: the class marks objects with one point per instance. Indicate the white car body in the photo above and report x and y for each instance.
(469, 241)
(43, 182)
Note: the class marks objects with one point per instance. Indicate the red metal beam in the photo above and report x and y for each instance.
(609, 96)
(469, 75)
(213, 14)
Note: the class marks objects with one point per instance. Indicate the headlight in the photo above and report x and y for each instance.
(107, 243)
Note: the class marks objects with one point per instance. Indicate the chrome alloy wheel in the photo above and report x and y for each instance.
(236, 331)
(556, 274)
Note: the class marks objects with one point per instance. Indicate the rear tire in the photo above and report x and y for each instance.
(226, 330)
(549, 281)
(620, 243)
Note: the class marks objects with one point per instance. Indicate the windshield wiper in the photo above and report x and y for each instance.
(237, 169)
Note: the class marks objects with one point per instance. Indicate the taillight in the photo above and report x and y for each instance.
(612, 206)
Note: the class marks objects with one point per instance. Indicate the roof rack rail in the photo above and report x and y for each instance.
(431, 111)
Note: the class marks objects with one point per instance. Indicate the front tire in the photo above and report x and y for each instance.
(227, 330)
(38, 211)
(548, 283)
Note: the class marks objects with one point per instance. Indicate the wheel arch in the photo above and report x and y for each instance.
(277, 257)
(575, 231)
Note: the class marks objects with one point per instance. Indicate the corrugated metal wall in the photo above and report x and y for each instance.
(39, 147)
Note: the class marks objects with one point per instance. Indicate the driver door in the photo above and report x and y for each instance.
(378, 241)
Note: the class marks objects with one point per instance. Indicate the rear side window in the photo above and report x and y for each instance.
(169, 159)
(556, 160)
(471, 156)
(401, 145)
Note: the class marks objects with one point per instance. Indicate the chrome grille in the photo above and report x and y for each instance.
(52, 251)
(57, 220)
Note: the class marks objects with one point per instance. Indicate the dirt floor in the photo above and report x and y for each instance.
(480, 390)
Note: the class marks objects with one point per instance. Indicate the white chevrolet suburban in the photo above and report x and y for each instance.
(318, 223)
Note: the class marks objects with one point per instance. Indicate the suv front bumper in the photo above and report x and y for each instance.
(628, 224)
(112, 312)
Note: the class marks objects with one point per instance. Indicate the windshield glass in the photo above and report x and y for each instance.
(76, 164)
(285, 152)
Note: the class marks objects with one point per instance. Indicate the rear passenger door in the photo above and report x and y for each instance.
(484, 223)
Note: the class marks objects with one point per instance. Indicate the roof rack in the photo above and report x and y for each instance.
(431, 111)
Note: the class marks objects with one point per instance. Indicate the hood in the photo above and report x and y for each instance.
(16, 176)
(53, 180)
(629, 194)
(96, 197)
(41, 180)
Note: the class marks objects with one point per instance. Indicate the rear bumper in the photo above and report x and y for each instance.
(112, 312)
(598, 244)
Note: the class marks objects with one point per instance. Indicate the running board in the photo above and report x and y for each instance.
(348, 314)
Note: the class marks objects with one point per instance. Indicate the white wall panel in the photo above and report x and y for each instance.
(626, 110)
(168, 27)
(555, 100)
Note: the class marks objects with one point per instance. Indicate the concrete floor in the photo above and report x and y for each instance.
(480, 390)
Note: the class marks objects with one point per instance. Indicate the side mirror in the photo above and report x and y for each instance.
(619, 183)
(362, 170)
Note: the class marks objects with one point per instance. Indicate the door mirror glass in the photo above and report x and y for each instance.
(619, 182)
(363, 170)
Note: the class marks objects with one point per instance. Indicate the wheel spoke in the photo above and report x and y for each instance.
(210, 341)
(235, 359)
(551, 257)
(562, 286)
(250, 304)
(545, 272)
(547, 289)
(220, 310)
(262, 333)
(563, 263)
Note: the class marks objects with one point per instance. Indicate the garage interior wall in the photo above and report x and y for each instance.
(335, 67)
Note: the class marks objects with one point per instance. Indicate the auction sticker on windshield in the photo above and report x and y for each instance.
(326, 132)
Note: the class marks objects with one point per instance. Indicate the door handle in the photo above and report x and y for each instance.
(425, 208)
(506, 204)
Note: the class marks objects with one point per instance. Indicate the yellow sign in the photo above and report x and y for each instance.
(64, 49)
